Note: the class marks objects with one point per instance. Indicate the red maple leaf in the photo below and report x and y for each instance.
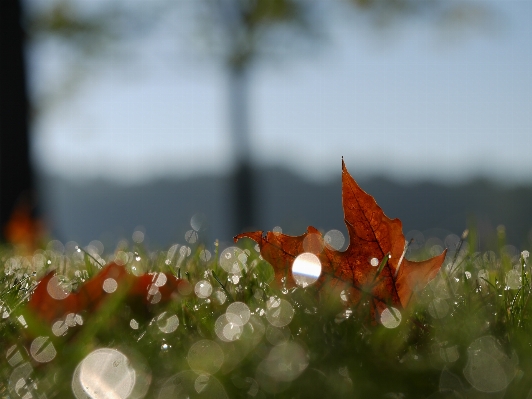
(51, 301)
(363, 270)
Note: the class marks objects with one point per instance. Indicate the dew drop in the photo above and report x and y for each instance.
(203, 289)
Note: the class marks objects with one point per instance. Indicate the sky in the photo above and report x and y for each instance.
(416, 101)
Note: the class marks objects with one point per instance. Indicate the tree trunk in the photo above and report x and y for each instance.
(16, 177)
(243, 193)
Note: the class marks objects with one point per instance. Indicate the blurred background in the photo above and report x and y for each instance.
(162, 120)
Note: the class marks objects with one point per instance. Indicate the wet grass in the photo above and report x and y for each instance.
(232, 334)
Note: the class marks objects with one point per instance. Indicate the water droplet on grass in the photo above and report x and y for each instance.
(203, 289)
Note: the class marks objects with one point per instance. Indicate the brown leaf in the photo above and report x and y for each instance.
(372, 235)
(51, 301)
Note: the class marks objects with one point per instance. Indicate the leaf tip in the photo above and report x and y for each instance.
(254, 235)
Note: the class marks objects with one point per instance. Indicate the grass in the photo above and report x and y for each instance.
(467, 335)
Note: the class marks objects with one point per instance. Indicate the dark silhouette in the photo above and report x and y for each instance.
(16, 175)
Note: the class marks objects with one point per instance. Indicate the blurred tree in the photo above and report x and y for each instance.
(17, 193)
(240, 33)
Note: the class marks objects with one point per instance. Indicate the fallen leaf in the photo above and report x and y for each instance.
(52, 300)
(358, 270)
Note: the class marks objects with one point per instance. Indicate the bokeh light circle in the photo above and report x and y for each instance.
(391, 317)
(42, 350)
(306, 269)
(279, 312)
(58, 289)
(203, 289)
(231, 260)
(104, 373)
(241, 310)
(167, 322)
(110, 285)
(488, 368)
(228, 327)
(189, 385)
(334, 239)
(205, 356)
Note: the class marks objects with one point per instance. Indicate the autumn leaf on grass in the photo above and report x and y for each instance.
(361, 270)
(52, 300)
